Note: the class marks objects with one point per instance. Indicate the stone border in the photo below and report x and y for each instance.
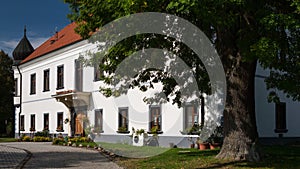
(109, 155)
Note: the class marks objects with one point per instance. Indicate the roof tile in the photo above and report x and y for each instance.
(63, 38)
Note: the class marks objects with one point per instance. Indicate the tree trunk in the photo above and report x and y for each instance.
(240, 131)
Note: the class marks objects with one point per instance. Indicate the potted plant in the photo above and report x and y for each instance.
(139, 131)
(216, 138)
(215, 144)
(97, 130)
(123, 130)
(202, 145)
(46, 128)
(59, 128)
(155, 130)
(138, 137)
(194, 130)
(66, 120)
(191, 140)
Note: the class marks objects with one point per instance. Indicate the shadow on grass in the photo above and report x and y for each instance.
(275, 157)
(199, 153)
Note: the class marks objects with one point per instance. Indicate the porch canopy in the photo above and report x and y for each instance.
(77, 103)
(73, 99)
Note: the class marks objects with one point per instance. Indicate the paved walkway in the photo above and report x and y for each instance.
(45, 155)
(12, 157)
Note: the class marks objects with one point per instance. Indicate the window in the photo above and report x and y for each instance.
(191, 115)
(46, 80)
(46, 121)
(97, 72)
(22, 127)
(123, 119)
(60, 121)
(78, 75)
(280, 117)
(60, 77)
(32, 83)
(155, 118)
(16, 87)
(32, 122)
(98, 121)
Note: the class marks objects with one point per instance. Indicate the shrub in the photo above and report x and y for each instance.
(22, 137)
(26, 138)
(73, 140)
(41, 139)
(57, 141)
(82, 139)
(44, 133)
(79, 140)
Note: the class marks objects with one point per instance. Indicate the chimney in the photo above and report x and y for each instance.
(56, 34)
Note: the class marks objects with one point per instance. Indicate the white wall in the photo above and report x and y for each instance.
(42, 102)
(265, 112)
(172, 117)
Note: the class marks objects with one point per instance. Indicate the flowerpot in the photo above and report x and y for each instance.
(192, 145)
(196, 146)
(136, 139)
(214, 145)
(203, 146)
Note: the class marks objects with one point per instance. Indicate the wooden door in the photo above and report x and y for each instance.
(79, 124)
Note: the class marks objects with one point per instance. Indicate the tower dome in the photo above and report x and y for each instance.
(23, 49)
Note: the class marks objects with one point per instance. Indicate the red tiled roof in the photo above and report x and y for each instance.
(65, 37)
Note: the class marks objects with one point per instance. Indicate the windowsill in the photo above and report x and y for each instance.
(156, 132)
(123, 132)
(98, 132)
(59, 88)
(46, 90)
(191, 133)
(22, 129)
(60, 130)
(280, 130)
(96, 80)
(32, 93)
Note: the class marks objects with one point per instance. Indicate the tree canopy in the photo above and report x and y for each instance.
(263, 30)
(6, 90)
(242, 31)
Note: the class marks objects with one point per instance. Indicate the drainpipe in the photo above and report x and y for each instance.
(20, 99)
(202, 110)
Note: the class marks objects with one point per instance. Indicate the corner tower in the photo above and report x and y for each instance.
(23, 49)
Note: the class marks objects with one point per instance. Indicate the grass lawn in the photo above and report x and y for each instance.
(133, 151)
(276, 157)
(7, 140)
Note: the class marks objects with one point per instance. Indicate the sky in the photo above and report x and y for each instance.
(41, 18)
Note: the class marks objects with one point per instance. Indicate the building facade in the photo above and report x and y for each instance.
(55, 91)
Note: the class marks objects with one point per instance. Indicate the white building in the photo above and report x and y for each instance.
(54, 91)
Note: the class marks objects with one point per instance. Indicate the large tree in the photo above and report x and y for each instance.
(6, 99)
(242, 31)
